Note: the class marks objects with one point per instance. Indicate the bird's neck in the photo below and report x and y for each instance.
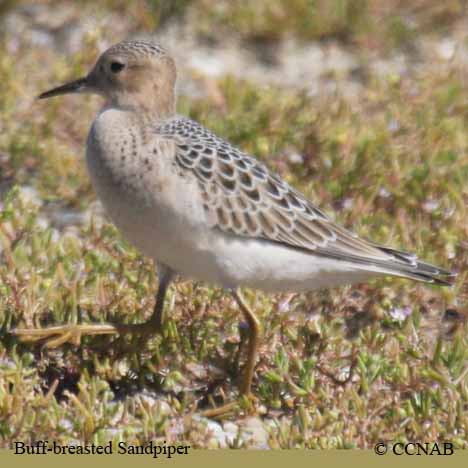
(155, 105)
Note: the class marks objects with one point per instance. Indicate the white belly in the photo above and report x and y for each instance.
(195, 251)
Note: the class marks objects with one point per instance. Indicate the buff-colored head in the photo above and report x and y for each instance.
(136, 75)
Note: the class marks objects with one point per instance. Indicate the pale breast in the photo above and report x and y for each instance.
(146, 194)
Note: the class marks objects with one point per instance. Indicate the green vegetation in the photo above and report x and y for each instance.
(363, 23)
(340, 368)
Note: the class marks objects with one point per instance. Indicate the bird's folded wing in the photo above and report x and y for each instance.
(241, 196)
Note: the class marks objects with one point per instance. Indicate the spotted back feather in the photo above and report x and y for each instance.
(241, 196)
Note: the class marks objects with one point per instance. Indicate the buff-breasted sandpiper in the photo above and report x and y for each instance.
(204, 209)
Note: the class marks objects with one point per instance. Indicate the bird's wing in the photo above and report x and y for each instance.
(242, 197)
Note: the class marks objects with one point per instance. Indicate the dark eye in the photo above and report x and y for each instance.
(116, 67)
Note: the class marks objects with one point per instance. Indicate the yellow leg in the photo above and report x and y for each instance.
(254, 341)
(52, 337)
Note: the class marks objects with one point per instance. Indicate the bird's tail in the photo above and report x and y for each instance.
(407, 265)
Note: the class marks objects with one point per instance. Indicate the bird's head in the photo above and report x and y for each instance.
(137, 75)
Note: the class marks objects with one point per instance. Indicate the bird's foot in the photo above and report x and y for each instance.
(246, 403)
(53, 337)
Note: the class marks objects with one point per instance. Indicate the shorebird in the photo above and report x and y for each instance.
(204, 209)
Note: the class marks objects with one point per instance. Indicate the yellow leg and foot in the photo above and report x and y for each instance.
(253, 343)
(52, 337)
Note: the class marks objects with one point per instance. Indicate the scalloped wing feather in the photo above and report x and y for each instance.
(241, 196)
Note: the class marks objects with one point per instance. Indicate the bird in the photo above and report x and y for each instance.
(203, 209)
